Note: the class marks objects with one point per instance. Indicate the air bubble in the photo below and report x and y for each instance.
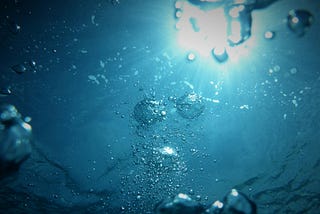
(27, 119)
(191, 56)
(299, 21)
(149, 111)
(293, 70)
(269, 35)
(178, 13)
(19, 69)
(5, 91)
(32, 63)
(13, 27)
(276, 68)
(190, 105)
(220, 54)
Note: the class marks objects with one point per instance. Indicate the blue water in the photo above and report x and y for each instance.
(258, 129)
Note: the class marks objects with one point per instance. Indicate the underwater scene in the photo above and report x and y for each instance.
(160, 106)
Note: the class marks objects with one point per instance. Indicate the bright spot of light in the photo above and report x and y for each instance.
(178, 13)
(26, 126)
(234, 192)
(191, 56)
(218, 204)
(295, 20)
(212, 33)
(167, 151)
(200, 30)
(184, 196)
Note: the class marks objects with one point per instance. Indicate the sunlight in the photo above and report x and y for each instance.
(196, 31)
(211, 33)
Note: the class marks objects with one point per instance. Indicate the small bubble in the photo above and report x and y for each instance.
(295, 103)
(27, 119)
(178, 13)
(5, 91)
(293, 70)
(13, 27)
(191, 56)
(32, 63)
(191, 192)
(269, 35)
(19, 69)
(276, 68)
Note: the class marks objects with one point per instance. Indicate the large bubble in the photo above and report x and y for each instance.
(190, 105)
(15, 140)
(149, 111)
(299, 21)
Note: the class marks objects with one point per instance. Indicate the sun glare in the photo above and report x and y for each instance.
(205, 31)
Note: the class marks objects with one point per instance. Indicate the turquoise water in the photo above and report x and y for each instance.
(123, 116)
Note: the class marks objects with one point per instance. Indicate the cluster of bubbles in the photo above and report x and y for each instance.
(15, 140)
(234, 202)
(149, 110)
(190, 105)
(165, 159)
(159, 169)
(158, 155)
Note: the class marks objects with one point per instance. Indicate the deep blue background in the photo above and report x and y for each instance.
(88, 148)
